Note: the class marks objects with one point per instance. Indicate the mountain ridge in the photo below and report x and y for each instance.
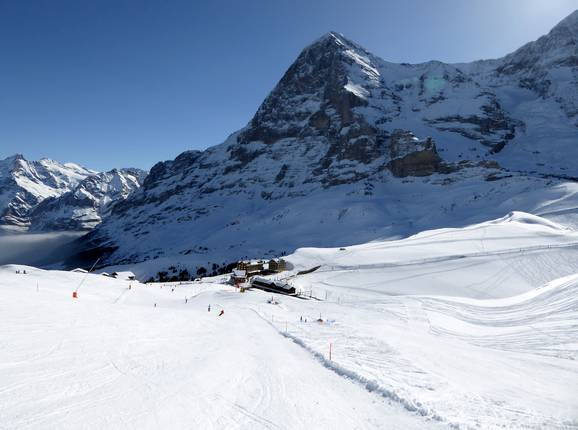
(27, 186)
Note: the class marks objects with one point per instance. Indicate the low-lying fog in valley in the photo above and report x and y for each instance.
(35, 249)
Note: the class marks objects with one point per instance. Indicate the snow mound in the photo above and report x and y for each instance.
(526, 218)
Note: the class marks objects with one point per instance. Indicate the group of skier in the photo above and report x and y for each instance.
(220, 313)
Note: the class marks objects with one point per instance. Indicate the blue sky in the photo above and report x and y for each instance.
(118, 83)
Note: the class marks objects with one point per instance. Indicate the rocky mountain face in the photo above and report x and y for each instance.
(348, 147)
(46, 195)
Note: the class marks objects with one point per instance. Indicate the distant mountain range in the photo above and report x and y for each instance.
(348, 148)
(46, 195)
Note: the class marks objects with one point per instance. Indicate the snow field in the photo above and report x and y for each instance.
(455, 328)
(460, 325)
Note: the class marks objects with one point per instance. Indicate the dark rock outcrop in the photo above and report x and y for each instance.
(412, 157)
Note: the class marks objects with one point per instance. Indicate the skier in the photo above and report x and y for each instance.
(301, 318)
(209, 309)
(222, 312)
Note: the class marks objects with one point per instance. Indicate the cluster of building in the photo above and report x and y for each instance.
(246, 269)
(249, 273)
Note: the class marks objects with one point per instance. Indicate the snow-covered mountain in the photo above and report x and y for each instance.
(24, 184)
(348, 148)
(46, 195)
(83, 207)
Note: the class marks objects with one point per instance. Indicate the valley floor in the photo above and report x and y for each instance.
(497, 352)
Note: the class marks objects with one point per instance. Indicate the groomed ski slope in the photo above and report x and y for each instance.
(473, 328)
(111, 360)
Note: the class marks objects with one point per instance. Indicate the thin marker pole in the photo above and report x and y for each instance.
(75, 292)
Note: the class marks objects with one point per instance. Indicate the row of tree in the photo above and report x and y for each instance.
(174, 274)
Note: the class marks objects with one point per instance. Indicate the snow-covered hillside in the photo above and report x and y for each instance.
(340, 153)
(454, 328)
(46, 195)
(475, 325)
(205, 232)
(499, 258)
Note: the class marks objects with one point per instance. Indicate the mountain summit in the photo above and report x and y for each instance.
(570, 23)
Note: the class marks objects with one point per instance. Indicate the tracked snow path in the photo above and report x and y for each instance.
(112, 360)
(476, 327)
(465, 362)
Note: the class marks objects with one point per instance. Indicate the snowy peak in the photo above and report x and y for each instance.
(568, 24)
(332, 69)
(10, 162)
(332, 36)
(333, 40)
(349, 51)
(48, 172)
(317, 105)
